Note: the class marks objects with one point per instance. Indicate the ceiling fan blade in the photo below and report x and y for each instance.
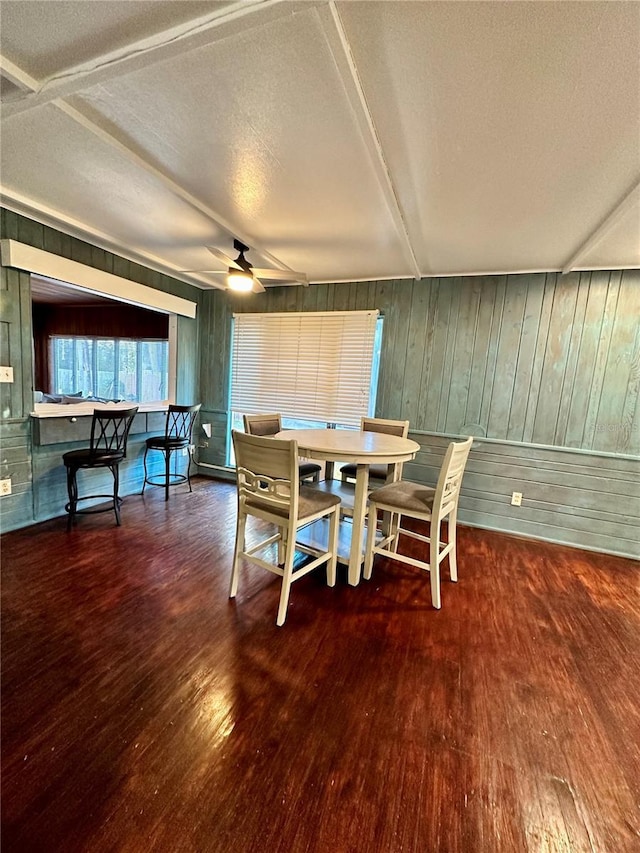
(258, 286)
(282, 275)
(209, 272)
(218, 253)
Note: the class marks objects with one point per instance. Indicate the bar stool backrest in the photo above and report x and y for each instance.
(180, 421)
(110, 431)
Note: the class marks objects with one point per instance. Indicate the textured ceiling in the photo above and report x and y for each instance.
(347, 140)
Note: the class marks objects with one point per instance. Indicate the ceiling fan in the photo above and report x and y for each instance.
(243, 276)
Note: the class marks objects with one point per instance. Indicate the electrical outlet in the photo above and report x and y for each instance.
(5, 487)
(6, 374)
(516, 499)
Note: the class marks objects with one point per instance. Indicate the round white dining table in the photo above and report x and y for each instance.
(362, 449)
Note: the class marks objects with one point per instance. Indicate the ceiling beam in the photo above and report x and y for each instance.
(17, 76)
(141, 54)
(631, 198)
(353, 87)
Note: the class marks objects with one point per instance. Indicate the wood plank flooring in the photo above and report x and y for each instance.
(144, 711)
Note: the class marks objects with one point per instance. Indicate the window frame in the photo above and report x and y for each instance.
(289, 419)
(95, 372)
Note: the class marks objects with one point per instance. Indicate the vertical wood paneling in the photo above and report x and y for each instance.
(555, 360)
(569, 377)
(597, 284)
(462, 356)
(526, 357)
(435, 409)
(486, 289)
(416, 349)
(449, 352)
(495, 331)
(592, 427)
(536, 358)
(539, 356)
(631, 409)
(430, 329)
(620, 373)
(385, 304)
(401, 300)
(507, 355)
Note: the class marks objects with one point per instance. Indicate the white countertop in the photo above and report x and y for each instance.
(76, 410)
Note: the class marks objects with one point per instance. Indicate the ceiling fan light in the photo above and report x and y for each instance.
(240, 280)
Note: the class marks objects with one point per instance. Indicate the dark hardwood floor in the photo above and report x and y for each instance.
(144, 711)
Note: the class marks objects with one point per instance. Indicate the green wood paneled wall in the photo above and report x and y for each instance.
(538, 363)
(540, 359)
(37, 491)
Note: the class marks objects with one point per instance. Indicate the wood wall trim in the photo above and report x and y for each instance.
(25, 257)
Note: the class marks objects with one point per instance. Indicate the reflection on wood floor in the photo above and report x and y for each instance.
(144, 711)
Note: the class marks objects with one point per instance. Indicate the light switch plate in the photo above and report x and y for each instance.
(6, 374)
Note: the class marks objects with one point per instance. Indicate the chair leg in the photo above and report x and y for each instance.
(144, 462)
(372, 523)
(453, 557)
(72, 489)
(167, 473)
(239, 546)
(394, 530)
(286, 579)
(333, 547)
(115, 470)
(189, 467)
(434, 565)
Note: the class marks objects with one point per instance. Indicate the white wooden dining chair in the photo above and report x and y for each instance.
(271, 424)
(381, 473)
(378, 473)
(404, 499)
(269, 489)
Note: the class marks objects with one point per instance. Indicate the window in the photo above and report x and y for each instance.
(316, 369)
(112, 369)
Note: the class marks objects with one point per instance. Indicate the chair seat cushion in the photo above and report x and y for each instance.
(310, 501)
(377, 472)
(85, 458)
(161, 442)
(306, 469)
(405, 496)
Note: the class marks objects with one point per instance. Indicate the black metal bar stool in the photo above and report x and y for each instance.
(108, 447)
(177, 435)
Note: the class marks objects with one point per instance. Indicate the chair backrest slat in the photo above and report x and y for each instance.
(383, 425)
(267, 471)
(387, 427)
(180, 421)
(450, 478)
(268, 424)
(110, 430)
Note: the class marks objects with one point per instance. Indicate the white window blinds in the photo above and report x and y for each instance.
(314, 366)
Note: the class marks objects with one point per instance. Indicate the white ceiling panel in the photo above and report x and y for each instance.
(259, 126)
(499, 120)
(344, 140)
